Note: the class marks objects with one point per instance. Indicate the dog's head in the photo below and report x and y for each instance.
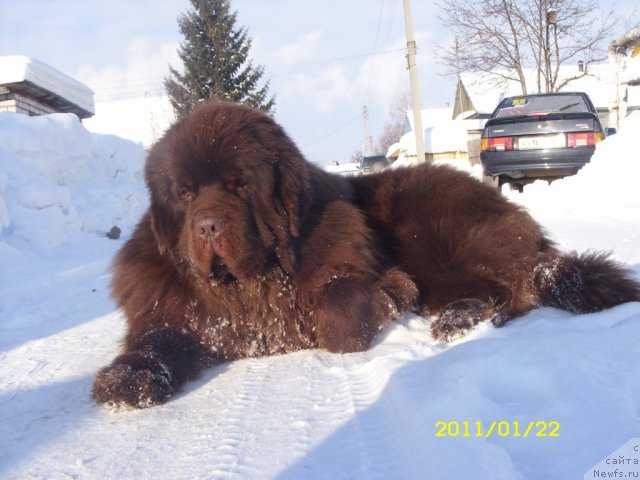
(229, 191)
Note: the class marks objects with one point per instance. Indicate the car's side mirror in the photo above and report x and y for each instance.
(610, 131)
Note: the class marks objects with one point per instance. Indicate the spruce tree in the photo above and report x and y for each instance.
(214, 56)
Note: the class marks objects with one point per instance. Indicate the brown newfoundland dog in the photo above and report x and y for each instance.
(248, 250)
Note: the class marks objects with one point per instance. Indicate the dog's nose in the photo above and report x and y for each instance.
(208, 226)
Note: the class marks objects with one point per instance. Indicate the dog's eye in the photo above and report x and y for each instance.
(186, 195)
(237, 184)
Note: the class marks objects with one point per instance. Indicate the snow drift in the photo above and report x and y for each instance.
(58, 180)
(310, 414)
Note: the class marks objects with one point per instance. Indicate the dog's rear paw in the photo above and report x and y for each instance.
(458, 318)
(135, 379)
(398, 287)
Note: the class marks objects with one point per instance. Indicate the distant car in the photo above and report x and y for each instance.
(373, 164)
(543, 136)
(350, 169)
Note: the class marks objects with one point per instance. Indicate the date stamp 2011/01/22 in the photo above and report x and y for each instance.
(514, 428)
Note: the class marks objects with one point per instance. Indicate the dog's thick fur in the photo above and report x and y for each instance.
(249, 250)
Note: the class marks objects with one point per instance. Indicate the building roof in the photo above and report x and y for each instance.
(40, 81)
(430, 117)
(478, 93)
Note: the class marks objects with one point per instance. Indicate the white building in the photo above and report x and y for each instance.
(624, 55)
(444, 137)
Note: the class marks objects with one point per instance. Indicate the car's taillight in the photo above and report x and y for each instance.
(584, 139)
(497, 144)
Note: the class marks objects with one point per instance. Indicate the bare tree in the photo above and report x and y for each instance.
(394, 127)
(357, 156)
(507, 37)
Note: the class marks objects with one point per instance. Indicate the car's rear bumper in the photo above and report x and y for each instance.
(516, 164)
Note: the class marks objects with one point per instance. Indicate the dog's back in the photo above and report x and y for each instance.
(475, 254)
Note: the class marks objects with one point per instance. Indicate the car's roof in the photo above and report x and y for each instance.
(548, 94)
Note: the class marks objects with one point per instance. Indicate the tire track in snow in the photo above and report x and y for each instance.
(353, 429)
(369, 434)
(255, 443)
(323, 426)
(239, 437)
(304, 403)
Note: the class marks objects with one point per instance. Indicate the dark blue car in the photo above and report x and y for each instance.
(542, 136)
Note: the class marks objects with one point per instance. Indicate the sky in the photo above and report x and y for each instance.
(325, 59)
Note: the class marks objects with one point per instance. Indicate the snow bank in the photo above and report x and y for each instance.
(610, 179)
(58, 180)
(17, 68)
(311, 414)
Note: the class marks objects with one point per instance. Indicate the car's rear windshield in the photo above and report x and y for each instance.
(514, 106)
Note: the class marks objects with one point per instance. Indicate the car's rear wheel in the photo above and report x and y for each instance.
(378, 167)
(519, 186)
(491, 180)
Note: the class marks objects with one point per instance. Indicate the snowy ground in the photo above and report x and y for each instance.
(310, 414)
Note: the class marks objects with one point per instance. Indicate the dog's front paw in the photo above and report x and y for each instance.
(458, 318)
(136, 379)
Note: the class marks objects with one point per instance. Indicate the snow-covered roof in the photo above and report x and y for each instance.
(449, 136)
(430, 117)
(446, 136)
(486, 89)
(17, 69)
(394, 150)
(441, 133)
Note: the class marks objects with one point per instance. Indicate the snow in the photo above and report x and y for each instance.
(430, 117)
(141, 120)
(58, 181)
(632, 71)
(311, 414)
(609, 179)
(18, 68)
(441, 134)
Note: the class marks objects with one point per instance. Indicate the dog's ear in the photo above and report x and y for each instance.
(293, 188)
(162, 227)
(163, 217)
(291, 199)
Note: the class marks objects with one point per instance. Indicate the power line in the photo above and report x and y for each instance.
(151, 83)
(332, 132)
(292, 68)
(375, 47)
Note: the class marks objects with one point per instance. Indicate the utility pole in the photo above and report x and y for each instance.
(415, 87)
(367, 139)
(552, 19)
